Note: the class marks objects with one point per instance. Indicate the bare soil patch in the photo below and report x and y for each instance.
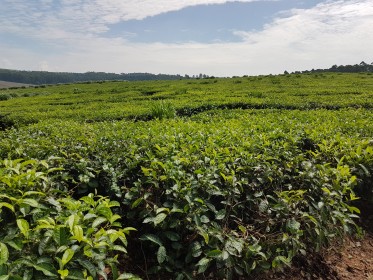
(4, 84)
(350, 259)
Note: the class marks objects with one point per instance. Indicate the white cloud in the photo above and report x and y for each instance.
(335, 32)
(140, 9)
(85, 16)
(43, 66)
(6, 63)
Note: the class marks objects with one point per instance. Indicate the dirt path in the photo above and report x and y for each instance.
(354, 260)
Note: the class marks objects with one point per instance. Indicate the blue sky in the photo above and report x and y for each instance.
(215, 37)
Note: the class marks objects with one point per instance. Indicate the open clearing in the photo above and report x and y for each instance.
(4, 84)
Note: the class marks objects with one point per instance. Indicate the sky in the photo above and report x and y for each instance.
(214, 37)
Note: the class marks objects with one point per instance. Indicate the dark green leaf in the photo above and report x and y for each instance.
(161, 254)
(61, 235)
(4, 253)
(128, 276)
(214, 253)
(196, 249)
(220, 214)
(43, 244)
(203, 264)
(46, 268)
(173, 236)
(159, 218)
(89, 266)
(151, 237)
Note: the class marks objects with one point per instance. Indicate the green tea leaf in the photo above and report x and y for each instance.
(29, 201)
(61, 235)
(7, 205)
(104, 211)
(128, 276)
(89, 266)
(203, 264)
(162, 209)
(30, 193)
(98, 221)
(214, 253)
(159, 218)
(173, 236)
(114, 218)
(119, 248)
(63, 273)
(24, 227)
(43, 244)
(78, 233)
(72, 220)
(46, 268)
(220, 214)
(353, 209)
(279, 260)
(196, 249)
(151, 237)
(67, 256)
(137, 202)
(161, 254)
(4, 253)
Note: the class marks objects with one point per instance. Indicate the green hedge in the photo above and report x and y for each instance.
(222, 194)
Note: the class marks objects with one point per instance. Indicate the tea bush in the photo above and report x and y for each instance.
(162, 110)
(226, 193)
(222, 179)
(47, 234)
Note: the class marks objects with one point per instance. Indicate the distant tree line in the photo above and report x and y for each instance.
(44, 77)
(361, 67)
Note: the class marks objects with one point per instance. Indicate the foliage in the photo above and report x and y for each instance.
(45, 236)
(44, 77)
(162, 110)
(232, 195)
(361, 67)
(111, 101)
(240, 177)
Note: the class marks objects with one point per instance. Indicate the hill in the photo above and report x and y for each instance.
(44, 77)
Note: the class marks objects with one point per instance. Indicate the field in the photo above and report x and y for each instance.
(215, 178)
(4, 84)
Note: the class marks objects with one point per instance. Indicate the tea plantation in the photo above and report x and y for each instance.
(192, 179)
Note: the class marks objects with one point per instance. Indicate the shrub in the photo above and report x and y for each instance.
(181, 91)
(77, 91)
(48, 235)
(4, 97)
(256, 94)
(162, 109)
(226, 213)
